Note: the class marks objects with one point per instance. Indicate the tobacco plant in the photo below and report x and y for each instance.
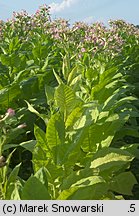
(73, 93)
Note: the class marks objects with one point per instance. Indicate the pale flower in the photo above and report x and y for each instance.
(10, 112)
(22, 126)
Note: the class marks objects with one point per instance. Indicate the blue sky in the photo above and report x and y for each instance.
(77, 10)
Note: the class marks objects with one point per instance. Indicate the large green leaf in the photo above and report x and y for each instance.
(9, 93)
(49, 91)
(132, 149)
(73, 117)
(123, 183)
(76, 176)
(108, 83)
(54, 130)
(16, 193)
(42, 116)
(41, 175)
(115, 100)
(29, 145)
(30, 87)
(41, 152)
(89, 188)
(41, 138)
(12, 60)
(5, 169)
(56, 137)
(65, 99)
(111, 159)
(40, 158)
(109, 74)
(34, 190)
(10, 185)
(72, 75)
(102, 132)
(66, 66)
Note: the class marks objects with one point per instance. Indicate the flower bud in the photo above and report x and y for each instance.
(10, 112)
(2, 161)
(22, 126)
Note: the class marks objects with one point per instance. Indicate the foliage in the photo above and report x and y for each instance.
(74, 116)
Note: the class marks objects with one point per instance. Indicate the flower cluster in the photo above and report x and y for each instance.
(22, 24)
(6, 123)
(1, 27)
(93, 38)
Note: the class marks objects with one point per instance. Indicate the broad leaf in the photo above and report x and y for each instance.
(123, 183)
(65, 99)
(41, 175)
(34, 190)
(111, 159)
(90, 188)
(11, 181)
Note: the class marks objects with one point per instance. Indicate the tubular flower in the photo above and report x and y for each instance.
(22, 126)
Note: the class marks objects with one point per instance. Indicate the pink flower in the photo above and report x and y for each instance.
(83, 50)
(38, 11)
(10, 112)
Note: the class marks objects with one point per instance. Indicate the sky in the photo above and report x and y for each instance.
(77, 10)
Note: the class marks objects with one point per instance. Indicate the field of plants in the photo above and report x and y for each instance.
(69, 109)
